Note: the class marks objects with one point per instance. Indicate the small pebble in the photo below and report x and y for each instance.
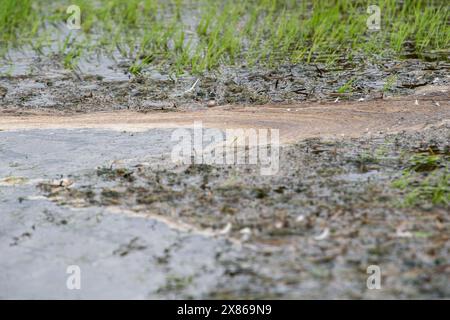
(278, 224)
(226, 229)
(246, 234)
(324, 235)
(3, 92)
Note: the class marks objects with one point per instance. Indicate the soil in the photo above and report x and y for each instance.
(296, 121)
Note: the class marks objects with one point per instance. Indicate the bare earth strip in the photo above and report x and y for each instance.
(294, 121)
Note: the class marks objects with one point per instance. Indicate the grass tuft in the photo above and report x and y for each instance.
(187, 36)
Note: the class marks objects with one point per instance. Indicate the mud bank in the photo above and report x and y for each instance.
(48, 86)
(296, 121)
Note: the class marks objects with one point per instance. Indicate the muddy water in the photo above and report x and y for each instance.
(121, 256)
(112, 203)
(98, 189)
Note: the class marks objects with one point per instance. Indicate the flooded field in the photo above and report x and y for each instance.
(186, 54)
(112, 203)
(88, 177)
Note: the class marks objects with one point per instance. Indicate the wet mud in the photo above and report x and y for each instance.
(86, 179)
(130, 217)
(48, 86)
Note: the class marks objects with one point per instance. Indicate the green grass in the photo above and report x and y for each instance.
(389, 83)
(432, 189)
(17, 18)
(425, 180)
(195, 36)
(346, 87)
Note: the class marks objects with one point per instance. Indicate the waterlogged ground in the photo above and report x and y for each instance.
(147, 55)
(75, 192)
(141, 226)
(363, 171)
(51, 87)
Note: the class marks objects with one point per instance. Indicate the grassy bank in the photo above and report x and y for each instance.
(194, 36)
